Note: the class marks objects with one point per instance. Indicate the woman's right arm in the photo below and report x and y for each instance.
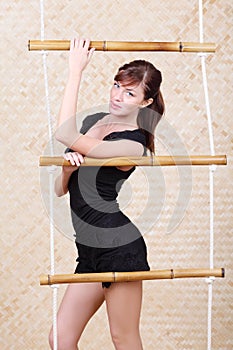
(79, 57)
(62, 181)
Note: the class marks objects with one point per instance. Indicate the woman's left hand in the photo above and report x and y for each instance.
(80, 55)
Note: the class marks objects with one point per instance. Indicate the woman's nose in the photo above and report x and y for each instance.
(119, 95)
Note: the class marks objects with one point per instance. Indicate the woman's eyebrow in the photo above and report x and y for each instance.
(130, 89)
(127, 87)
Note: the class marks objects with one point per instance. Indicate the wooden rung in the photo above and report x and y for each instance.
(139, 161)
(178, 46)
(131, 276)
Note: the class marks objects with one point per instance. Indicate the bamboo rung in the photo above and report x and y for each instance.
(125, 46)
(131, 276)
(139, 161)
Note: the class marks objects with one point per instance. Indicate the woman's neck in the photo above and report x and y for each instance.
(129, 121)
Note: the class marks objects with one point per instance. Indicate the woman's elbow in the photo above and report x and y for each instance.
(59, 136)
(57, 191)
(60, 192)
(67, 139)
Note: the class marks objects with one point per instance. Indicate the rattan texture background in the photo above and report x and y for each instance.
(174, 314)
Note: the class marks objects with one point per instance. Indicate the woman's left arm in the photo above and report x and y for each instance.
(95, 148)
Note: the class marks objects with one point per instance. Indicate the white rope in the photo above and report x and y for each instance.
(211, 179)
(51, 179)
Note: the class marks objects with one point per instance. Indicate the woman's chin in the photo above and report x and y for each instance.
(116, 112)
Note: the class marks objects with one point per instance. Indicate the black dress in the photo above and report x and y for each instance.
(106, 239)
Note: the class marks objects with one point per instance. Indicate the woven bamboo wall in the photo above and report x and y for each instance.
(174, 312)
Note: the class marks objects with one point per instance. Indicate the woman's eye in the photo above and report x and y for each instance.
(116, 85)
(129, 93)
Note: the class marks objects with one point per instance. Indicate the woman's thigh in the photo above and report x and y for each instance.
(123, 302)
(79, 303)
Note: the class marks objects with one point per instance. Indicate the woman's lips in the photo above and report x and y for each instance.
(115, 105)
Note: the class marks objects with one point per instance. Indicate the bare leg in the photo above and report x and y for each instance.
(79, 304)
(124, 306)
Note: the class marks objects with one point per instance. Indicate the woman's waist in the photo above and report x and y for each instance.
(108, 215)
(104, 230)
(94, 204)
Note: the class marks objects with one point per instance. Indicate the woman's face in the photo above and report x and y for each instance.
(125, 100)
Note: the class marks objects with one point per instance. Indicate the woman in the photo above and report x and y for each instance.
(106, 239)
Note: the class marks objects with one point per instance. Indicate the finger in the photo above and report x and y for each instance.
(81, 42)
(68, 156)
(72, 43)
(76, 43)
(90, 53)
(80, 157)
(86, 44)
(76, 159)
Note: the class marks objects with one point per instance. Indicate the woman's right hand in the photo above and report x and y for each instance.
(75, 158)
(62, 181)
(80, 55)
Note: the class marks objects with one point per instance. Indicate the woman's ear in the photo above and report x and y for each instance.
(146, 103)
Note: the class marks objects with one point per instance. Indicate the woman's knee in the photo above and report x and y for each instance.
(118, 338)
(63, 342)
(51, 339)
(126, 340)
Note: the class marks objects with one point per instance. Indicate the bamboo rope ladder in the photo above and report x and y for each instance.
(51, 161)
(179, 46)
(130, 276)
(198, 160)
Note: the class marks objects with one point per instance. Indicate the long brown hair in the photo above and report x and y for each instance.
(144, 72)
